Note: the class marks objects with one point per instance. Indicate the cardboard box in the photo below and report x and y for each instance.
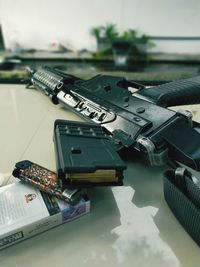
(25, 211)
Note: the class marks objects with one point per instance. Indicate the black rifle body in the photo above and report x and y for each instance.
(139, 120)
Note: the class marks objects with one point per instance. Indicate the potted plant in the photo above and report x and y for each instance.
(125, 47)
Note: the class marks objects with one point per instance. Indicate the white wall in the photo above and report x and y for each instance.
(36, 24)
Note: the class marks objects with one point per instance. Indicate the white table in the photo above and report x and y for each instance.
(127, 226)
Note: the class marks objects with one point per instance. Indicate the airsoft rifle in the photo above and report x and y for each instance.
(133, 118)
(137, 120)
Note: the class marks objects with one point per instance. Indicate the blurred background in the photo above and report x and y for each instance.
(150, 41)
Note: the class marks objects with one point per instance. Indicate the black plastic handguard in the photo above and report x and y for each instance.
(137, 120)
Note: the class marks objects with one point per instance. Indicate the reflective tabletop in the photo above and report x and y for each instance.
(129, 225)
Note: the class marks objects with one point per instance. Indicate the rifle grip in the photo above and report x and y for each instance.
(182, 92)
